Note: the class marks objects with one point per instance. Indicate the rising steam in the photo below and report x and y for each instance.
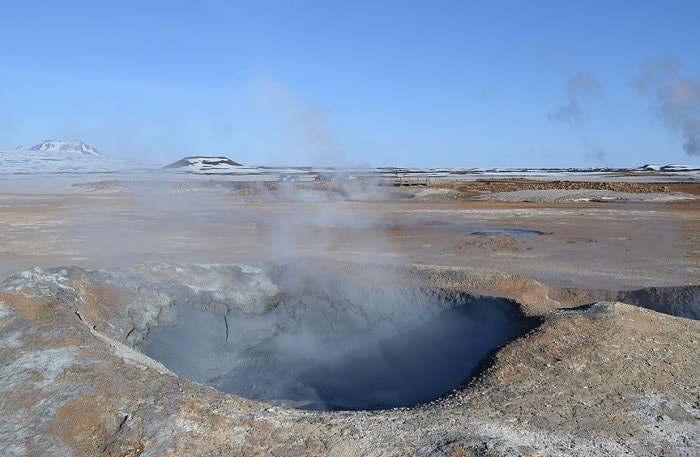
(299, 123)
(580, 87)
(676, 99)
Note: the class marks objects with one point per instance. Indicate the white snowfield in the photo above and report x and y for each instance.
(67, 158)
(52, 161)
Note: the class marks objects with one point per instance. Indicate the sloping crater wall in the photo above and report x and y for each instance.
(335, 336)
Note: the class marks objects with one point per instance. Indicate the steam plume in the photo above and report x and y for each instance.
(311, 123)
(579, 88)
(299, 123)
(676, 99)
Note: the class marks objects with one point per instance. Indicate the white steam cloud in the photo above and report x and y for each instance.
(301, 125)
(676, 99)
(580, 87)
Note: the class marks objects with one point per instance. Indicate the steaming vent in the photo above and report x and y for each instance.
(320, 335)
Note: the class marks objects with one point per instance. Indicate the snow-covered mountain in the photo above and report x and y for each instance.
(66, 146)
(53, 156)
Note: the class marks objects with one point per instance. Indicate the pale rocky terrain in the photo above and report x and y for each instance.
(605, 292)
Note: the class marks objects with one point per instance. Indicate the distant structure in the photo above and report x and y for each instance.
(66, 146)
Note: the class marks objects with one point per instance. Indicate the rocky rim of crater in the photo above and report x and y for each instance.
(594, 378)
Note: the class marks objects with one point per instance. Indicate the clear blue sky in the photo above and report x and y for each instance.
(403, 83)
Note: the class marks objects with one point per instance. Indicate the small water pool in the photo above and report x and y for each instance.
(510, 231)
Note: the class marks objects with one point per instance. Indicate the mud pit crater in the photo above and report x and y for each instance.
(320, 335)
(72, 325)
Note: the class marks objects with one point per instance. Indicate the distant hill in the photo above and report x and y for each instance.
(66, 146)
(672, 167)
(202, 163)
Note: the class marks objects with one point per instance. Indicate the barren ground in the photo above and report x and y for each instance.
(592, 244)
(603, 379)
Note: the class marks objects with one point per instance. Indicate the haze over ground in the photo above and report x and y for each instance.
(427, 84)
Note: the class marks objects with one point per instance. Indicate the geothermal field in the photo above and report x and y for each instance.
(208, 308)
